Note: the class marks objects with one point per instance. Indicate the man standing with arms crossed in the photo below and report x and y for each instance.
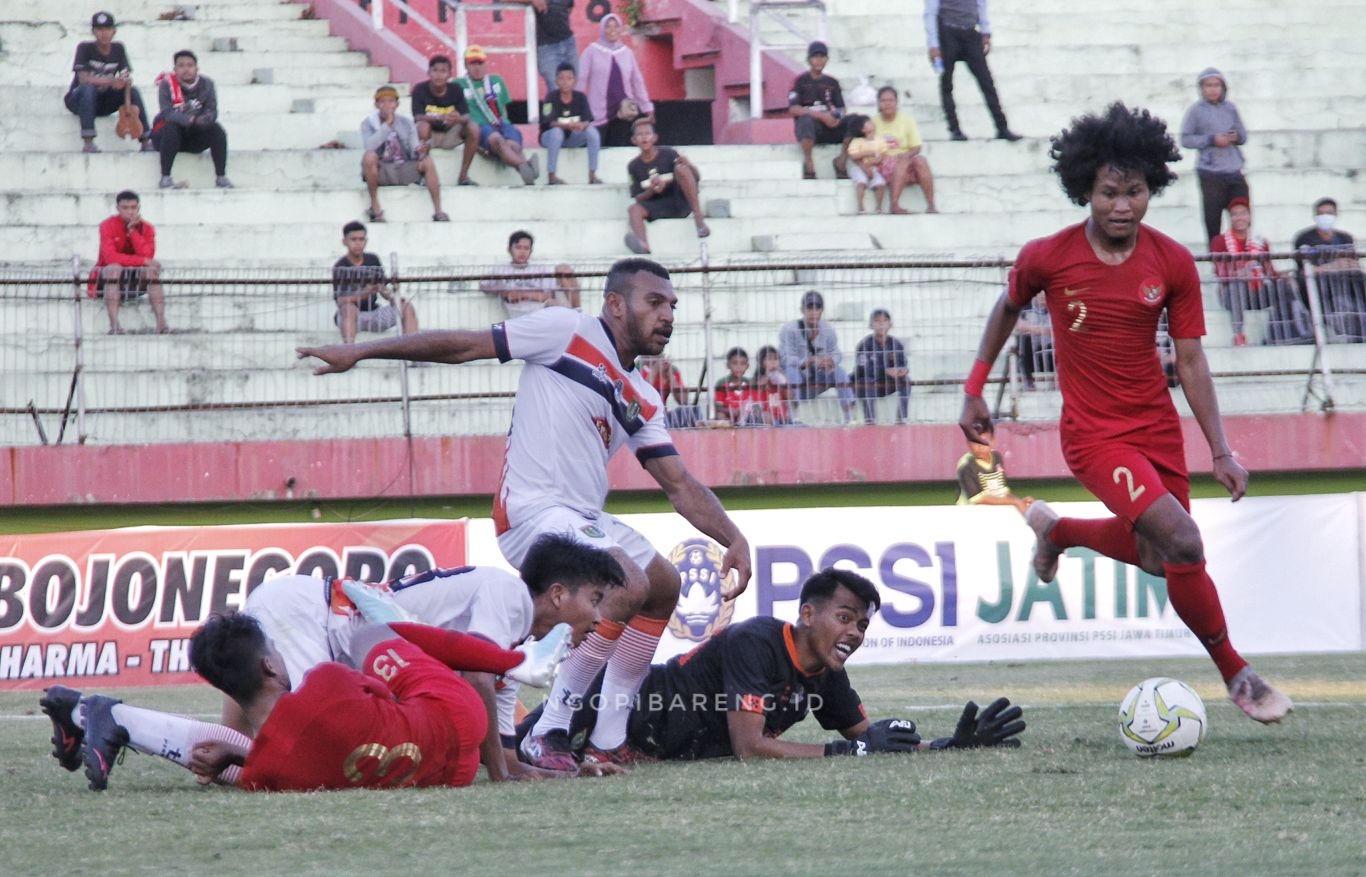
(1107, 281)
(580, 399)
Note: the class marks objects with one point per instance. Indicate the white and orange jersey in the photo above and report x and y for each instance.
(576, 406)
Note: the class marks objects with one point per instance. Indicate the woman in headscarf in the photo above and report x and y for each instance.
(610, 76)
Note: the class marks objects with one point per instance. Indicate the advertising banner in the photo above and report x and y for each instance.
(957, 583)
(119, 605)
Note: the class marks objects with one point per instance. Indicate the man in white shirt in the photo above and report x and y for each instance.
(580, 399)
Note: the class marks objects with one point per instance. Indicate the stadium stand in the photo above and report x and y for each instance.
(286, 87)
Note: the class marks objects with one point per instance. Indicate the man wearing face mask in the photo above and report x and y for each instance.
(1332, 252)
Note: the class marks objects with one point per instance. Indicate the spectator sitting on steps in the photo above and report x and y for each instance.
(357, 285)
(442, 116)
(522, 294)
(487, 96)
(817, 108)
(811, 356)
(566, 120)
(663, 184)
(127, 267)
(393, 156)
(101, 79)
(903, 161)
(188, 121)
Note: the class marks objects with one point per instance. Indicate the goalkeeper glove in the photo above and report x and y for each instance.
(997, 725)
(888, 735)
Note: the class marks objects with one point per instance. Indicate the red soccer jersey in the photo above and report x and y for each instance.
(408, 720)
(1105, 327)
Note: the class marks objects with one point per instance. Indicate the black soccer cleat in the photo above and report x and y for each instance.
(104, 740)
(59, 704)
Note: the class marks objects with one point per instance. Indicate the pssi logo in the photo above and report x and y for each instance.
(701, 609)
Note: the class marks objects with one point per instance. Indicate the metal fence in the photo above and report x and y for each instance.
(1280, 340)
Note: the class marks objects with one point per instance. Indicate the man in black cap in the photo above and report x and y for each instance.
(101, 76)
(958, 30)
(811, 356)
(817, 105)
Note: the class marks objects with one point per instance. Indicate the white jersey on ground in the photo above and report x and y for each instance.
(310, 621)
(576, 407)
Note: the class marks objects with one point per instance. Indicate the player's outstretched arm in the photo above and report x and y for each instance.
(436, 345)
(976, 417)
(700, 507)
(1193, 369)
(747, 739)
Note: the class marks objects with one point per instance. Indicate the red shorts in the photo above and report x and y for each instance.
(1127, 478)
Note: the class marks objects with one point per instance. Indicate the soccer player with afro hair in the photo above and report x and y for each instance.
(1107, 281)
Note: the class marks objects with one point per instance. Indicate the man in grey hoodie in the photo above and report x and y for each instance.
(1212, 125)
(393, 155)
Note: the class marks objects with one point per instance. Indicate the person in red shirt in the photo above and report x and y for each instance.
(1107, 281)
(404, 720)
(770, 386)
(736, 399)
(127, 267)
(1241, 280)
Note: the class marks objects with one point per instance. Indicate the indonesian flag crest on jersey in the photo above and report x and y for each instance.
(1152, 292)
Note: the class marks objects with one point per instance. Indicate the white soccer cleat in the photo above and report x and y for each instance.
(1041, 518)
(1251, 694)
(376, 604)
(542, 657)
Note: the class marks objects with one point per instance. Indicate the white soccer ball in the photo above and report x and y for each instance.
(1162, 717)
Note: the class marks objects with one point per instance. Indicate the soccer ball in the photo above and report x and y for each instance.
(1162, 717)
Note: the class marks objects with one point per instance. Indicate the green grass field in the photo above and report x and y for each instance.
(1253, 800)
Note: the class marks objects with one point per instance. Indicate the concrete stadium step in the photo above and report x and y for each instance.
(410, 232)
(246, 131)
(231, 69)
(51, 47)
(313, 168)
(1117, 10)
(42, 102)
(76, 14)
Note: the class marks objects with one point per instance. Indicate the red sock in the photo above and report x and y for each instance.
(1112, 537)
(1197, 602)
(459, 651)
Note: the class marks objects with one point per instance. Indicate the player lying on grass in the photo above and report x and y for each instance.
(405, 719)
(311, 622)
(1107, 281)
(738, 692)
(562, 580)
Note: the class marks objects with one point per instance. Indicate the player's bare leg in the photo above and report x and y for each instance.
(629, 664)
(547, 745)
(1169, 527)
